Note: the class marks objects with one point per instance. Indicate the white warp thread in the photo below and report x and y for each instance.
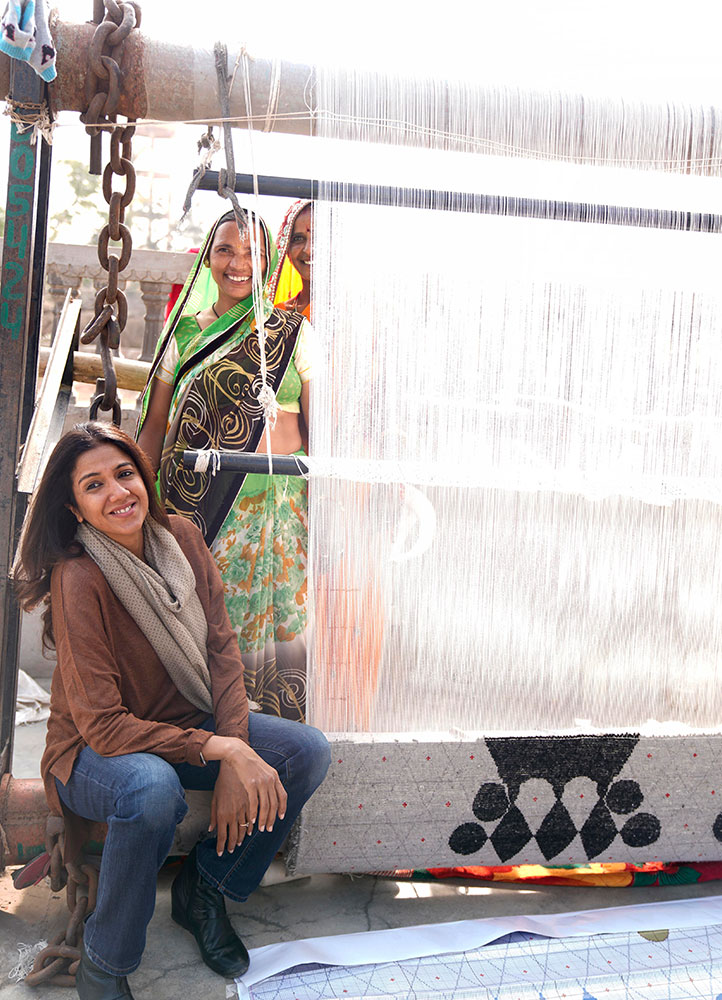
(266, 395)
(553, 391)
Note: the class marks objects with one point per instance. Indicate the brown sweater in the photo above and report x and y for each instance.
(112, 693)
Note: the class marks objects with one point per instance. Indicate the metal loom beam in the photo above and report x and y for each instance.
(251, 462)
(465, 201)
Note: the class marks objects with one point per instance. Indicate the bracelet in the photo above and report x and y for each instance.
(204, 762)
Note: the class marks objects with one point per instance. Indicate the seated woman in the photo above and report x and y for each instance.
(290, 283)
(203, 392)
(148, 699)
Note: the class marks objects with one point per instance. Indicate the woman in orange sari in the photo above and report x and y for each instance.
(290, 283)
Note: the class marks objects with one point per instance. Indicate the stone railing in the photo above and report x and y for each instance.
(153, 270)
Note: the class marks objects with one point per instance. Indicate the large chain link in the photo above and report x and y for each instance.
(103, 81)
(58, 962)
(102, 92)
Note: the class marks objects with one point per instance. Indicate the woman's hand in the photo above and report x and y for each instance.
(228, 817)
(248, 792)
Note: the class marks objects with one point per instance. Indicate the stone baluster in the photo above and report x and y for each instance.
(58, 284)
(155, 297)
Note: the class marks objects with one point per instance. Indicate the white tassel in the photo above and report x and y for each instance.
(27, 953)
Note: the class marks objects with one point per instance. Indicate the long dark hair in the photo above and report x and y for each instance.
(48, 535)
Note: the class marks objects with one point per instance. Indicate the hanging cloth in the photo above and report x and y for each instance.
(25, 35)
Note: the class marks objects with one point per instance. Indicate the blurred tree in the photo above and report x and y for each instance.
(83, 200)
(149, 216)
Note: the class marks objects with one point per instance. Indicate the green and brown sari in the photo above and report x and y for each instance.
(255, 526)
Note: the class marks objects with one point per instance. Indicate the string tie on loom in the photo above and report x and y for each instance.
(208, 458)
(27, 115)
(208, 146)
(274, 94)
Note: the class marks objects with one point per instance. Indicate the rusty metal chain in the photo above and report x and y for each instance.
(54, 845)
(103, 84)
(227, 174)
(58, 962)
(103, 81)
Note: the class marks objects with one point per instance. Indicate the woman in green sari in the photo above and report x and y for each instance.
(203, 392)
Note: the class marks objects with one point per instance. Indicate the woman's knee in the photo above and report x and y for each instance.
(300, 753)
(312, 759)
(152, 794)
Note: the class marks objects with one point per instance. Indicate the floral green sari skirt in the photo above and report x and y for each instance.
(261, 554)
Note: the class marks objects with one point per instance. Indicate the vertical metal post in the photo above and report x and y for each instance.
(96, 141)
(21, 282)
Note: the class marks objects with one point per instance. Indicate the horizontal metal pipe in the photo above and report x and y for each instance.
(172, 82)
(465, 201)
(24, 812)
(251, 462)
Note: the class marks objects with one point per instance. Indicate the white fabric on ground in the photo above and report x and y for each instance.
(32, 703)
(401, 945)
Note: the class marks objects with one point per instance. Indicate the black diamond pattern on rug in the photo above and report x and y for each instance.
(511, 835)
(598, 831)
(556, 832)
(558, 759)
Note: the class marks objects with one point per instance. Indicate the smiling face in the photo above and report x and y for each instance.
(300, 244)
(231, 263)
(109, 493)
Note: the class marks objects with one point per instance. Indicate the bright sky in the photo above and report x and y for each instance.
(654, 48)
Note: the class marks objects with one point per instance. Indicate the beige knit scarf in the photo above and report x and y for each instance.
(160, 596)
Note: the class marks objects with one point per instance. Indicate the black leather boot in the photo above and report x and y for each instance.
(93, 983)
(200, 908)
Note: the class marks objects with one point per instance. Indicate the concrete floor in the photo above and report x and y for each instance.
(310, 907)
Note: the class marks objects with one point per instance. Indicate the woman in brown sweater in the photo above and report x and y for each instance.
(148, 699)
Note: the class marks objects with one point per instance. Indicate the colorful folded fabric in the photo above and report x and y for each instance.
(609, 875)
(25, 35)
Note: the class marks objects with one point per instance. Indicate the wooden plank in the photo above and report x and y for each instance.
(47, 422)
(131, 375)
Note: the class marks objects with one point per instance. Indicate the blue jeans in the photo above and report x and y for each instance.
(140, 796)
